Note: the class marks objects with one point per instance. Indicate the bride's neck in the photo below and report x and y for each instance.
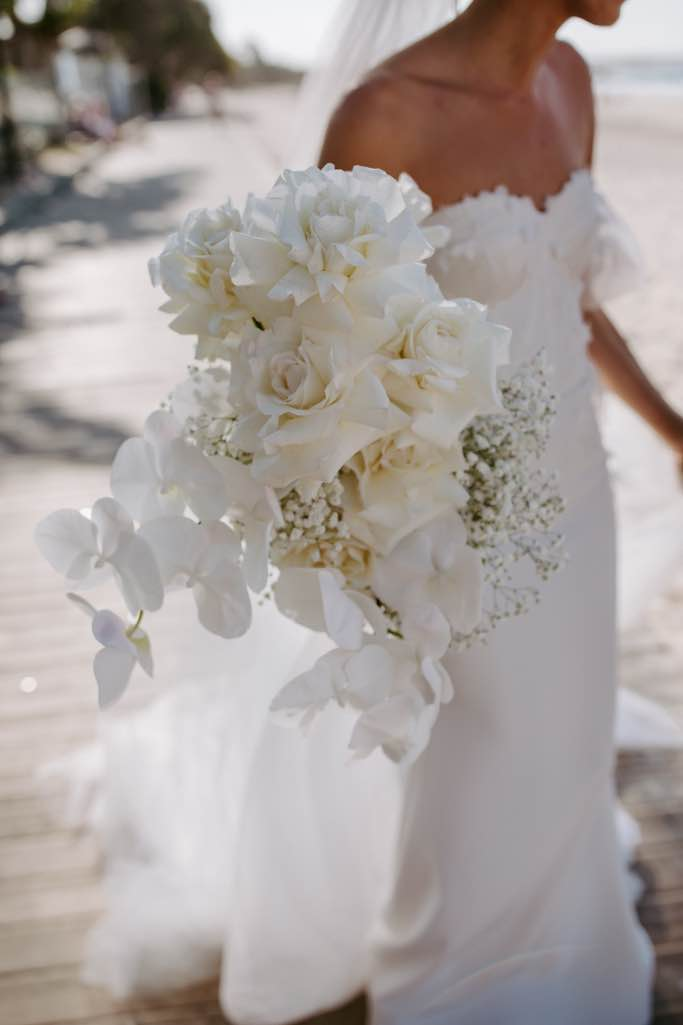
(506, 40)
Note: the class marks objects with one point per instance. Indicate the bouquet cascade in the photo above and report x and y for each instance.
(346, 442)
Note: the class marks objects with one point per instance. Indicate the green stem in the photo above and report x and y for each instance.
(131, 629)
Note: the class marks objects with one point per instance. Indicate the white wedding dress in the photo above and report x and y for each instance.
(485, 886)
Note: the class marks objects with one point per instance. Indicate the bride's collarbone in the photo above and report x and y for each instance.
(456, 156)
(462, 144)
(535, 175)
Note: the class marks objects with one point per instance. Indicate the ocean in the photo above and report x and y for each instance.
(639, 77)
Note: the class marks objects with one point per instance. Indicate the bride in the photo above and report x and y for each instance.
(484, 886)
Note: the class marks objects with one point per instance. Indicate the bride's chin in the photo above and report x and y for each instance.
(599, 12)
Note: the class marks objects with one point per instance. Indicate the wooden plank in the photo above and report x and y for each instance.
(32, 1000)
(57, 995)
(76, 897)
(42, 946)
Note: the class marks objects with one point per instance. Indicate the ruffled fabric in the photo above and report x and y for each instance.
(615, 262)
(495, 234)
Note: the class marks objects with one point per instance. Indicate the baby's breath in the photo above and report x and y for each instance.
(314, 525)
(513, 500)
(212, 435)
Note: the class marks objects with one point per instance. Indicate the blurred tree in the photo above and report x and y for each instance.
(57, 16)
(10, 155)
(172, 40)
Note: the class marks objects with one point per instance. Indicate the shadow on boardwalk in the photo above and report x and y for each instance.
(38, 425)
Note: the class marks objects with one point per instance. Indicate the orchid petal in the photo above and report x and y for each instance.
(143, 650)
(219, 534)
(426, 628)
(297, 596)
(388, 725)
(344, 620)
(244, 493)
(438, 679)
(111, 522)
(370, 675)
(138, 574)
(177, 544)
(113, 669)
(110, 630)
(134, 479)
(200, 483)
(257, 541)
(68, 541)
(307, 693)
(223, 602)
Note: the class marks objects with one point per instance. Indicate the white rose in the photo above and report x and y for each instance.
(445, 364)
(326, 234)
(306, 403)
(420, 205)
(195, 271)
(396, 484)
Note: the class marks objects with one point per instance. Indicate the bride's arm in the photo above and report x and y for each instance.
(623, 374)
(617, 365)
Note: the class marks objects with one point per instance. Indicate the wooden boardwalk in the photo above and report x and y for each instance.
(82, 356)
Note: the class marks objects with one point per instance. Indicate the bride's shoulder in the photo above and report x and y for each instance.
(572, 70)
(362, 129)
(574, 75)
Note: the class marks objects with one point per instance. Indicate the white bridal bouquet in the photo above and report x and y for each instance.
(345, 442)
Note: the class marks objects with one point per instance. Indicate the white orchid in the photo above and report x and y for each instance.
(317, 599)
(123, 647)
(397, 693)
(425, 628)
(161, 473)
(402, 725)
(88, 548)
(326, 234)
(205, 559)
(257, 509)
(434, 566)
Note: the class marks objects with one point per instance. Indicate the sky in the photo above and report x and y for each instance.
(289, 31)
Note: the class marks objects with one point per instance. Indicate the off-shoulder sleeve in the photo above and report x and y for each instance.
(615, 262)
